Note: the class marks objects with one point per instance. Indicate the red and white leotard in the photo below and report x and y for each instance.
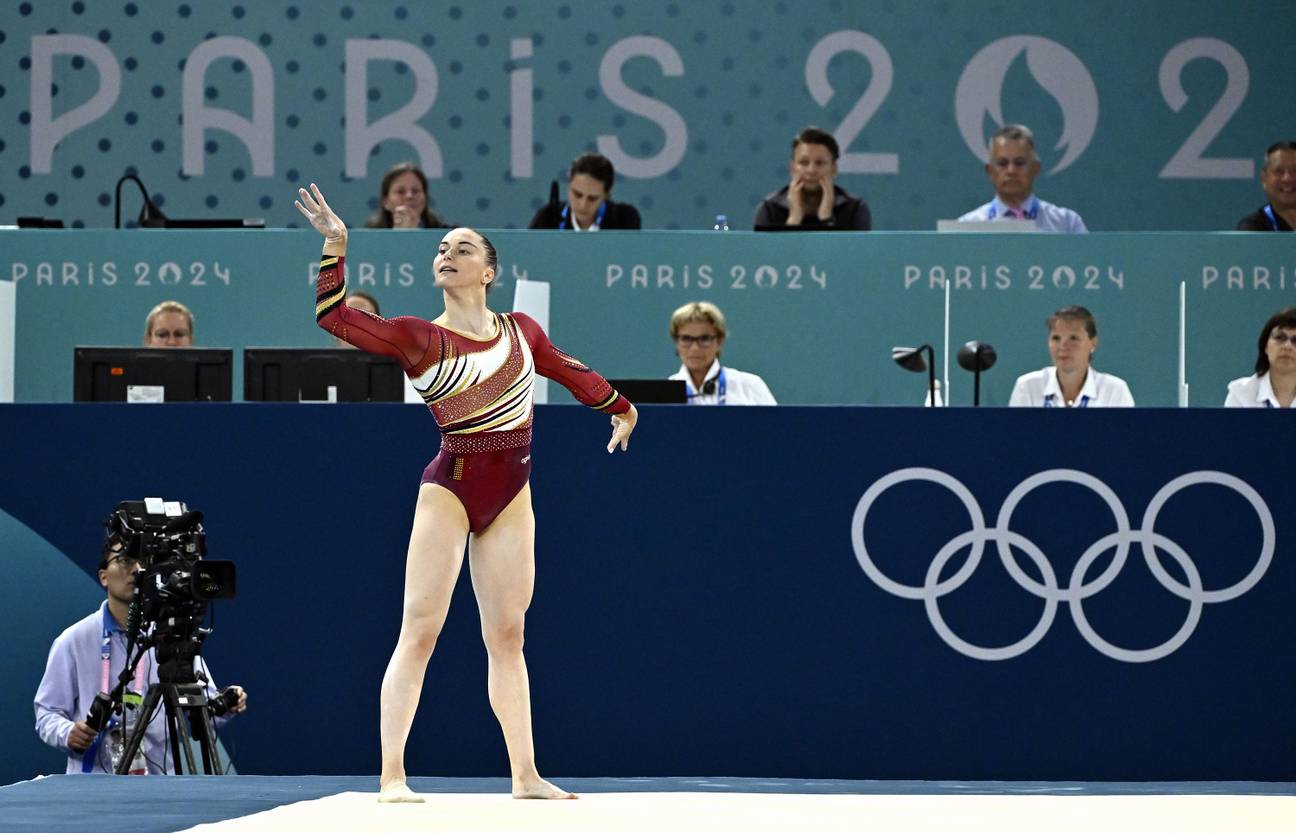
(480, 391)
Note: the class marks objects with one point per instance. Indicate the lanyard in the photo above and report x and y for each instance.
(89, 757)
(569, 222)
(721, 385)
(1083, 403)
(1269, 212)
(1030, 211)
(105, 656)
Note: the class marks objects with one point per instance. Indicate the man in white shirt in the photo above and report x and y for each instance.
(1012, 168)
(87, 658)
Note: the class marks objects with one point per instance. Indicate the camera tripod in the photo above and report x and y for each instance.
(181, 696)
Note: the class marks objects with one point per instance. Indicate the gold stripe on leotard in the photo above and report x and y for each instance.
(326, 303)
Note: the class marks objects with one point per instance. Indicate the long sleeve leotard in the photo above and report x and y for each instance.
(479, 390)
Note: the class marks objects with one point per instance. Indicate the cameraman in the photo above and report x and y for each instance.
(88, 658)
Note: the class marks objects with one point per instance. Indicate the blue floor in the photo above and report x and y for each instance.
(78, 803)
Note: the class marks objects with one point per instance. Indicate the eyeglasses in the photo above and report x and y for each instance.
(700, 341)
(127, 562)
(1282, 337)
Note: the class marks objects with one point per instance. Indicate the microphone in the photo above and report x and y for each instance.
(553, 193)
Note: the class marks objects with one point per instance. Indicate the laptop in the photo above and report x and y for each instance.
(992, 226)
(650, 391)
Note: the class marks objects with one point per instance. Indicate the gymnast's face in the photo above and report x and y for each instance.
(461, 261)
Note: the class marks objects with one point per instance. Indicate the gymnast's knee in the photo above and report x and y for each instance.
(419, 634)
(504, 638)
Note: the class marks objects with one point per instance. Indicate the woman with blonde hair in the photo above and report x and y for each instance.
(698, 330)
(169, 324)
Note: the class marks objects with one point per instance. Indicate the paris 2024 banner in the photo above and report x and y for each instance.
(1147, 116)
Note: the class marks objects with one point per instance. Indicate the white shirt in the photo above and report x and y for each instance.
(1046, 215)
(73, 676)
(1040, 389)
(738, 388)
(1251, 392)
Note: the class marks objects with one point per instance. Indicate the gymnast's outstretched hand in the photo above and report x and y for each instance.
(622, 425)
(315, 208)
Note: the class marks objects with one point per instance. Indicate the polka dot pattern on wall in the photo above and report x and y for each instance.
(742, 95)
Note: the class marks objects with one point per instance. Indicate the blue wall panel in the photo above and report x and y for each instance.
(700, 607)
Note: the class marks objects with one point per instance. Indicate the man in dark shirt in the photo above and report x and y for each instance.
(1278, 176)
(811, 200)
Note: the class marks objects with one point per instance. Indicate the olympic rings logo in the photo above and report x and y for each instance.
(1079, 587)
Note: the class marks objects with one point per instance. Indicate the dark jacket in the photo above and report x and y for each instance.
(848, 212)
(1258, 220)
(619, 215)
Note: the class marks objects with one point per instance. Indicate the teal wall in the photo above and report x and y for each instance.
(1149, 115)
(815, 314)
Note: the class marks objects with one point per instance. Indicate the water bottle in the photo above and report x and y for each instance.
(721, 223)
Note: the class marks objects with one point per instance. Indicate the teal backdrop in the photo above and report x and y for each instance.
(815, 314)
(1149, 115)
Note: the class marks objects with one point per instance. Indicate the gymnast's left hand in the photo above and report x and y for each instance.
(622, 425)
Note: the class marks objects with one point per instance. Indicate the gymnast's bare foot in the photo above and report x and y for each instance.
(398, 792)
(539, 788)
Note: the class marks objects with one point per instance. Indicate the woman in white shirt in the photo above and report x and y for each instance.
(698, 330)
(1071, 382)
(1274, 382)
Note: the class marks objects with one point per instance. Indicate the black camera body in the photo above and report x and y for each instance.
(175, 582)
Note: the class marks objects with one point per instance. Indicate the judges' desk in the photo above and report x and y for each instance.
(816, 315)
(804, 592)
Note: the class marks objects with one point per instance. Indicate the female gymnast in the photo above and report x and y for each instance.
(475, 369)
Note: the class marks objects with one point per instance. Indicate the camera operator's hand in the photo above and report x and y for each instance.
(80, 737)
(240, 705)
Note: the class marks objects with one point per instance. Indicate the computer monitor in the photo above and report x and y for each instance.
(152, 374)
(320, 374)
(649, 391)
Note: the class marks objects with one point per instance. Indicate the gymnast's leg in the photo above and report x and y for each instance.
(431, 569)
(502, 565)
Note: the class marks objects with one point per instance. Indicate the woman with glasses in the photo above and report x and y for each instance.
(1274, 382)
(698, 330)
(476, 370)
(169, 324)
(1071, 381)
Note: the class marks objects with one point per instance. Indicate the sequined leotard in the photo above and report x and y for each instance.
(480, 391)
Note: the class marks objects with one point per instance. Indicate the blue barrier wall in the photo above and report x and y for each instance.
(702, 605)
(1149, 115)
(816, 315)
